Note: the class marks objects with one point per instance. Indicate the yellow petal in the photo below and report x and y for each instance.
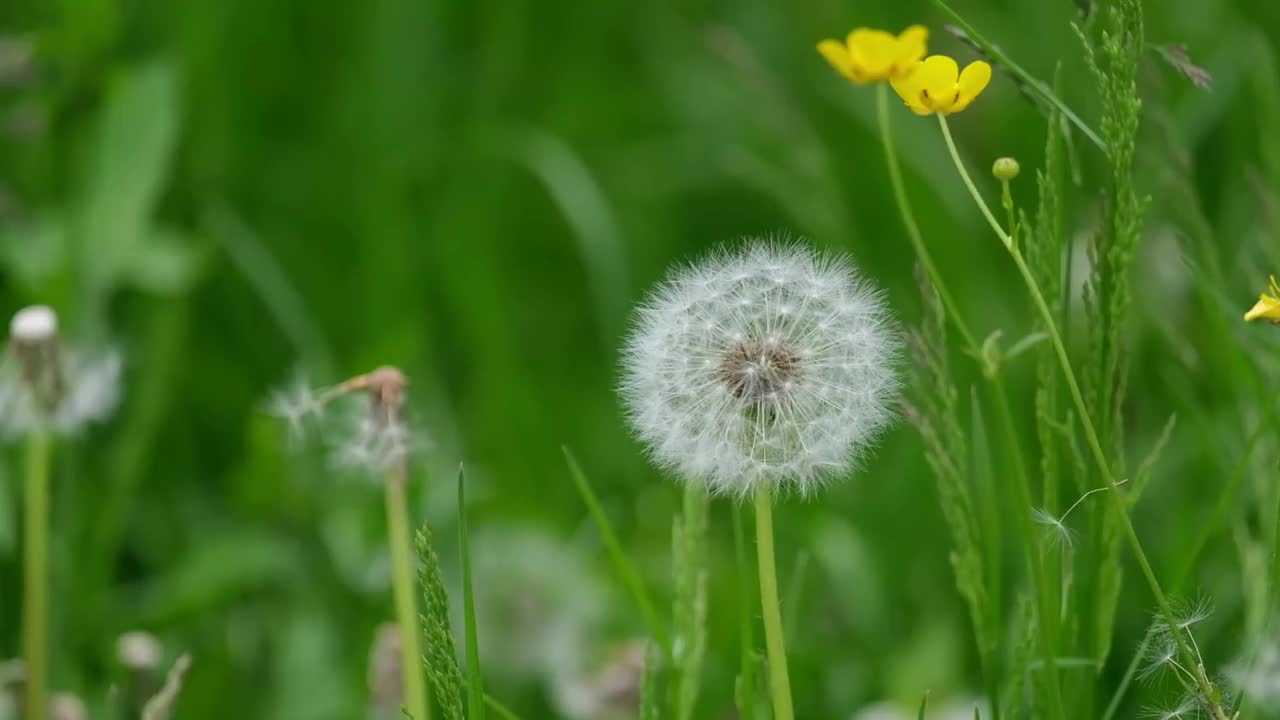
(937, 77)
(972, 82)
(1266, 307)
(912, 43)
(872, 52)
(838, 55)
(907, 85)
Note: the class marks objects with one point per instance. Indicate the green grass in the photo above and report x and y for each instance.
(478, 194)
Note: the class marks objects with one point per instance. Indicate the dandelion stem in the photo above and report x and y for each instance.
(746, 690)
(35, 609)
(402, 578)
(775, 644)
(1091, 435)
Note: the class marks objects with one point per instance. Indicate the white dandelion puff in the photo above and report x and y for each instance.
(45, 383)
(769, 366)
(1258, 677)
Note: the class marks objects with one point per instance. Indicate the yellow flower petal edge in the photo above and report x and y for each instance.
(868, 55)
(937, 85)
(1268, 306)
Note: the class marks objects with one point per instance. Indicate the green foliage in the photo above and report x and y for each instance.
(441, 659)
(934, 411)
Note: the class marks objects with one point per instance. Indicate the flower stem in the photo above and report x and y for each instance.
(775, 645)
(909, 222)
(402, 580)
(974, 349)
(1091, 435)
(35, 609)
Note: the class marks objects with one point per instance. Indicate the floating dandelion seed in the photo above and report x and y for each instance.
(770, 366)
(45, 383)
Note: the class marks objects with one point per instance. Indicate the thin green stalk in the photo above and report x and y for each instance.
(775, 644)
(746, 689)
(972, 347)
(1091, 435)
(402, 578)
(1028, 80)
(628, 571)
(475, 685)
(913, 229)
(35, 608)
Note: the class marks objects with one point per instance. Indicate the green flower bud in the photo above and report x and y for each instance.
(1005, 168)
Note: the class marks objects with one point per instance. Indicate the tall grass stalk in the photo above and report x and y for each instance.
(775, 644)
(1091, 436)
(35, 608)
(402, 579)
(475, 685)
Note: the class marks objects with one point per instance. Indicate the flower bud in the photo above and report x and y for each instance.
(1005, 168)
(34, 324)
(139, 651)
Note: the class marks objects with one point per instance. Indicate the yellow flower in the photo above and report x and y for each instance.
(936, 85)
(1268, 306)
(868, 56)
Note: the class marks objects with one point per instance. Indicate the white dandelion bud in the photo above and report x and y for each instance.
(139, 651)
(770, 365)
(51, 385)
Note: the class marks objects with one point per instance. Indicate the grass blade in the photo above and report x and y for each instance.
(620, 561)
(475, 685)
(1033, 85)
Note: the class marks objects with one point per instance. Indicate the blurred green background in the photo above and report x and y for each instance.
(232, 190)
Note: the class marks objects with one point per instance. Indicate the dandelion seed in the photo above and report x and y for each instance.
(295, 404)
(937, 86)
(1188, 708)
(739, 396)
(869, 55)
(1059, 533)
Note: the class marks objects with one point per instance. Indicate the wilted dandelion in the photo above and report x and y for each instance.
(376, 438)
(770, 367)
(48, 384)
(378, 441)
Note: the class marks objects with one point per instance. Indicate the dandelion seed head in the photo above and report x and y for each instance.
(772, 365)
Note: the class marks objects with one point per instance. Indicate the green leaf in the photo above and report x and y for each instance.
(133, 145)
(924, 706)
(475, 686)
(620, 561)
(168, 265)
